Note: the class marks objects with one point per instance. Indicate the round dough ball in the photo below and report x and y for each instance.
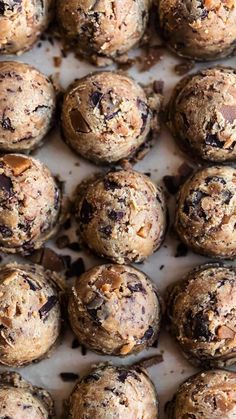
(202, 114)
(30, 314)
(27, 106)
(21, 23)
(115, 310)
(106, 117)
(29, 204)
(103, 28)
(19, 399)
(121, 216)
(205, 214)
(206, 395)
(199, 29)
(201, 314)
(114, 393)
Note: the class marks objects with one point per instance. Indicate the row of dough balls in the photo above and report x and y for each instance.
(203, 30)
(121, 215)
(107, 117)
(117, 310)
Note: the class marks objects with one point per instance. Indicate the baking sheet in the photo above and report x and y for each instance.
(164, 159)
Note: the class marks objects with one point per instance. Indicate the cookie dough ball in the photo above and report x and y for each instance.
(29, 204)
(199, 29)
(27, 106)
(202, 114)
(114, 392)
(19, 399)
(103, 28)
(21, 24)
(201, 314)
(121, 216)
(106, 117)
(30, 314)
(209, 394)
(115, 310)
(205, 214)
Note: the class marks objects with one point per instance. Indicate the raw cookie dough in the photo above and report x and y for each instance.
(121, 215)
(106, 116)
(19, 399)
(114, 393)
(199, 29)
(27, 106)
(30, 313)
(205, 213)
(115, 310)
(29, 204)
(202, 114)
(200, 309)
(206, 395)
(101, 29)
(21, 23)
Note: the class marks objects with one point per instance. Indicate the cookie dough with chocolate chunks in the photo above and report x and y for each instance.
(199, 29)
(30, 313)
(121, 216)
(27, 106)
(201, 315)
(202, 114)
(20, 399)
(21, 24)
(114, 393)
(103, 29)
(29, 204)
(205, 212)
(107, 116)
(206, 395)
(115, 310)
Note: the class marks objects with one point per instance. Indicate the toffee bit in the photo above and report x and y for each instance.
(68, 377)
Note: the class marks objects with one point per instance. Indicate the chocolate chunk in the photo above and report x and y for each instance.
(115, 215)
(172, 183)
(136, 288)
(68, 376)
(2, 7)
(32, 286)
(201, 327)
(67, 224)
(184, 67)
(110, 185)
(6, 124)
(76, 268)
(213, 141)
(93, 376)
(5, 183)
(144, 113)
(48, 259)
(122, 375)
(74, 246)
(5, 231)
(62, 241)
(96, 98)
(229, 113)
(151, 56)
(150, 361)
(78, 122)
(48, 306)
(75, 344)
(181, 250)
(83, 350)
(227, 195)
(86, 212)
(148, 334)
(95, 303)
(185, 170)
(107, 230)
(161, 267)
(215, 179)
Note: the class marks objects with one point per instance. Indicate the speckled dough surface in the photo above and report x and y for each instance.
(121, 216)
(19, 399)
(103, 28)
(202, 114)
(107, 116)
(29, 204)
(115, 310)
(21, 23)
(201, 312)
(205, 212)
(27, 106)
(30, 314)
(206, 395)
(114, 393)
(199, 29)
